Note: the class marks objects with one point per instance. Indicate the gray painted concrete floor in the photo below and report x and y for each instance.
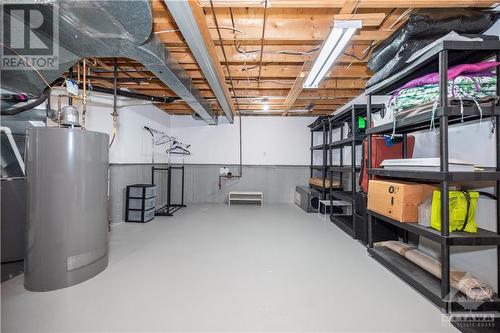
(220, 268)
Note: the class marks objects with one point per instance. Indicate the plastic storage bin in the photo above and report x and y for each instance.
(141, 191)
(142, 204)
(141, 216)
(340, 208)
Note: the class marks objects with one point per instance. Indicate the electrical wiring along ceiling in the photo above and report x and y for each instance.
(269, 46)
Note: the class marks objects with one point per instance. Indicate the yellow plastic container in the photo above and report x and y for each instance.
(458, 211)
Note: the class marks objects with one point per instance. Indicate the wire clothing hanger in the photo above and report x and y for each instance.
(179, 148)
(158, 138)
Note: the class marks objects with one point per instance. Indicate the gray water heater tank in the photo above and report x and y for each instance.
(67, 232)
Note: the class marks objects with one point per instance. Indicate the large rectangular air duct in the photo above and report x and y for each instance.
(186, 21)
(110, 29)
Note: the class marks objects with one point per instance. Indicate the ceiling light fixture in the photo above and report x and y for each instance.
(263, 112)
(333, 46)
(298, 111)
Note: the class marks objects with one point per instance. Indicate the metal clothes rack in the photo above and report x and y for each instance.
(160, 138)
(438, 59)
(169, 208)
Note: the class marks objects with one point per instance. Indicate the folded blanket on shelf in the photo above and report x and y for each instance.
(467, 83)
(473, 70)
(467, 87)
(427, 108)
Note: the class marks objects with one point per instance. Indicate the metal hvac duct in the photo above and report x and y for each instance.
(67, 231)
(185, 20)
(86, 29)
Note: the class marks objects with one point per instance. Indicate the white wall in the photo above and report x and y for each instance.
(266, 140)
(132, 143)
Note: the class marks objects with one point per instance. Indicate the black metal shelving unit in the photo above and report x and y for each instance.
(347, 114)
(437, 59)
(321, 126)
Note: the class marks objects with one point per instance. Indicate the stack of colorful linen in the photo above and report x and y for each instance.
(467, 84)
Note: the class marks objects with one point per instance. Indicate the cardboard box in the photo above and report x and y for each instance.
(397, 200)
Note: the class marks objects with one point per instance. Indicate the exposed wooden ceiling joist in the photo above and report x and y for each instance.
(341, 3)
(294, 31)
(349, 6)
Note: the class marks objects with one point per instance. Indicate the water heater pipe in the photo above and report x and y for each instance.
(114, 114)
(84, 110)
(240, 167)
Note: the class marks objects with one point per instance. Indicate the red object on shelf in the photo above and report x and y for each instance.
(382, 151)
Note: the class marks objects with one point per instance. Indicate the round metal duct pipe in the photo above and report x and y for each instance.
(67, 234)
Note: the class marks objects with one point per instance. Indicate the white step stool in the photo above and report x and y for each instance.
(245, 196)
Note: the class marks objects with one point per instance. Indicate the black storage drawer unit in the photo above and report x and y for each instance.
(140, 203)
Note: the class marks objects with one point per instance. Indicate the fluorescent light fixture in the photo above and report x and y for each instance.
(298, 111)
(263, 112)
(334, 44)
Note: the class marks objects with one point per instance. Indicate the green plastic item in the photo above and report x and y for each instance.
(458, 211)
(361, 123)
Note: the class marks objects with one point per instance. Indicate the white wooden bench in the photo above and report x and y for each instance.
(245, 196)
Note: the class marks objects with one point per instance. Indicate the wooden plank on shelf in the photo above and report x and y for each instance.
(319, 182)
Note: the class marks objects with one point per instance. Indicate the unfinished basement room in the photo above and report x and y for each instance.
(250, 166)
